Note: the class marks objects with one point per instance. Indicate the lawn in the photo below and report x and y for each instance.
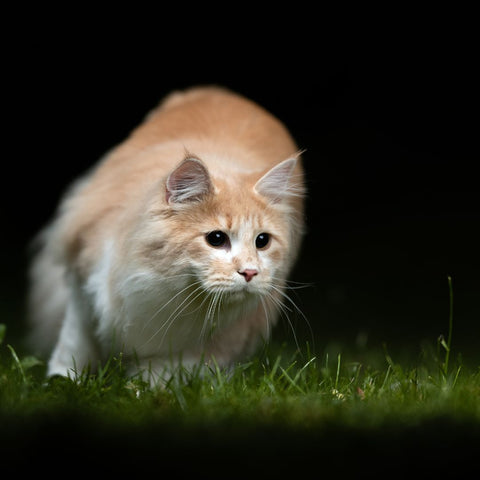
(350, 413)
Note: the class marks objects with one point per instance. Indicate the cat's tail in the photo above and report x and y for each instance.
(48, 295)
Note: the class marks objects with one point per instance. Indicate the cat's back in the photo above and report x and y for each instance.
(222, 128)
(216, 118)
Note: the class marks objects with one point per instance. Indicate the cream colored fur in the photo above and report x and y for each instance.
(126, 264)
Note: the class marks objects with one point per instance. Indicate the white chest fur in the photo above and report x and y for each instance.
(149, 315)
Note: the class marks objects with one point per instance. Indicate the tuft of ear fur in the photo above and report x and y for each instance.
(189, 182)
(275, 184)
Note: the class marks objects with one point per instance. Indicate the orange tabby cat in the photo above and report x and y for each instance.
(177, 246)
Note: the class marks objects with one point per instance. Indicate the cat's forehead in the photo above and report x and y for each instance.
(236, 206)
(239, 221)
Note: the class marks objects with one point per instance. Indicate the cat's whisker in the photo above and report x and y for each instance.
(285, 284)
(210, 297)
(210, 316)
(213, 307)
(178, 311)
(284, 307)
(267, 319)
(162, 307)
(283, 313)
(222, 296)
(178, 275)
(287, 297)
(199, 309)
(131, 280)
(219, 306)
(280, 305)
(296, 308)
(278, 288)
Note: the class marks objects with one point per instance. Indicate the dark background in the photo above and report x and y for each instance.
(389, 128)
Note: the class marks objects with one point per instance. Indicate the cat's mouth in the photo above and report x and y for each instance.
(235, 292)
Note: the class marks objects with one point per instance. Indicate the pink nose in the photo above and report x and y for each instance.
(248, 273)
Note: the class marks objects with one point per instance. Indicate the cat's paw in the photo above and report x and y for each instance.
(59, 369)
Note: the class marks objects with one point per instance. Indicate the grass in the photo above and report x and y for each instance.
(285, 412)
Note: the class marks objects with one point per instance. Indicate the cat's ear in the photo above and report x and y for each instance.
(275, 184)
(189, 182)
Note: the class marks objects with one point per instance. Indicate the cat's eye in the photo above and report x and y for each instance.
(262, 240)
(217, 238)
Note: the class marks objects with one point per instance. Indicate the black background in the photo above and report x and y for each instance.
(389, 128)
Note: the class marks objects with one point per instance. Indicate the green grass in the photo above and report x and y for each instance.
(354, 412)
(281, 404)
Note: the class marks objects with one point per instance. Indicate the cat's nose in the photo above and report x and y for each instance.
(248, 273)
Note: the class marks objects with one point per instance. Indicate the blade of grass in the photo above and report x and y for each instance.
(291, 381)
(297, 376)
(269, 379)
(218, 375)
(3, 330)
(18, 363)
(448, 345)
(339, 361)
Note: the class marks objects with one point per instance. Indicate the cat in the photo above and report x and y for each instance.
(176, 247)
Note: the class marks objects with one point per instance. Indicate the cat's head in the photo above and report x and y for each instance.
(237, 235)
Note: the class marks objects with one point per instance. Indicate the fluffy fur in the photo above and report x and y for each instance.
(127, 264)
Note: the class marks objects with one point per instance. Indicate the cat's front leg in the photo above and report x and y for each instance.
(76, 347)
